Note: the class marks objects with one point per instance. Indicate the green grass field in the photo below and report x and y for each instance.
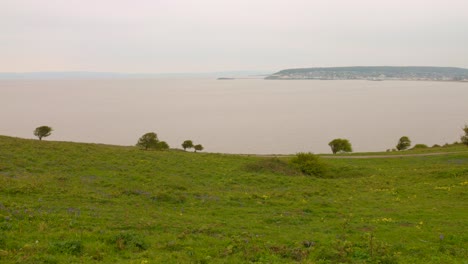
(64, 202)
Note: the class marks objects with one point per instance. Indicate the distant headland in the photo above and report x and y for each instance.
(374, 73)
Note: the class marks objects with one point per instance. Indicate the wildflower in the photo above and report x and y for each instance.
(384, 219)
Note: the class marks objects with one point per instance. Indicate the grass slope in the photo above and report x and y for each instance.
(82, 203)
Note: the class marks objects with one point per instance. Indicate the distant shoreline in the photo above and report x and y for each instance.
(386, 80)
(374, 73)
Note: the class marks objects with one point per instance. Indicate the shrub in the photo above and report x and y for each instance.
(309, 164)
(420, 146)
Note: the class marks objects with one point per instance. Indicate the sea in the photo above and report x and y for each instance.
(240, 116)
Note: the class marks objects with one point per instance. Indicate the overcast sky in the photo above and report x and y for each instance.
(159, 36)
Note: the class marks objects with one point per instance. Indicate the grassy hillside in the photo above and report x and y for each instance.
(83, 203)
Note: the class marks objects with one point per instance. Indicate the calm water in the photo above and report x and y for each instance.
(239, 116)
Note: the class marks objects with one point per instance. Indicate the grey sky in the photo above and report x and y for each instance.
(221, 35)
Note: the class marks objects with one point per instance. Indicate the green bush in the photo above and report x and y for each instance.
(309, 164)
(420, 146)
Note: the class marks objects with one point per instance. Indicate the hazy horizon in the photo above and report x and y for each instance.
(240, 71)
(210, 36)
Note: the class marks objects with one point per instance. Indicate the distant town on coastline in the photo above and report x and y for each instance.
(373, 73)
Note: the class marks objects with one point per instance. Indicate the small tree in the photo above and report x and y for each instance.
(187, 144)
(464, 138)
(340, 145)
(42, 131)
(198, 147)
(148, 140)
(403, 143)
(162, 145)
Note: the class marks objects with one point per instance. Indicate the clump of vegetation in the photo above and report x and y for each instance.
(272, 165)
(340, 145)
(162, 145)
(187, 144)
(309, 164)
(150, 141)
(420, 146)
(403, 143)
(42, 131)
(198, 147)
(464, 138)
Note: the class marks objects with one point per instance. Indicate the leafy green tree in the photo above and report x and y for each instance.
(187, 144)
(403, 143)
(309, 164)
(162, 145)
(42, 131)
(148, 141)
(464, 138)
(198, 147)
(340, 145)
